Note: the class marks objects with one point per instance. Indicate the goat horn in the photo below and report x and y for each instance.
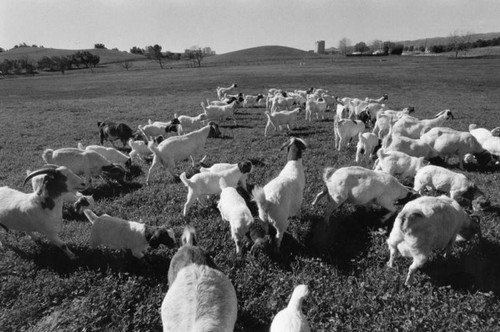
(47, 170)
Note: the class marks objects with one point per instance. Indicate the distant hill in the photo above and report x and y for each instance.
(444, 40)
(259, 54)
(36, 53)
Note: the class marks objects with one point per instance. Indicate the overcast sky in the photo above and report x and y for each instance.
(230, 25)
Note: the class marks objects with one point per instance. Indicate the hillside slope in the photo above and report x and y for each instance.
(261, 53)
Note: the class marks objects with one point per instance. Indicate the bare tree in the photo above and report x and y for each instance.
(344, 45)
(194, 56)
(127, 64)
(376, 45)
(459, 41)
(154, 53)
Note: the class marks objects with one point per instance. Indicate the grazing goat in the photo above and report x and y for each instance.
(219, 167)
(40, 211)
(379, 100)
(398, 163)
(111, 131)
(234, 210)
(361, 186)
(220, 113)
(291, 318)
(368, 143)
(140, 148)
(117, 233)
(455, 184)
(345, 130)
(178, 148)
(282, 197)
(188, 123)
(87, 163)
(412, 147)
(426, 224)
(208, 183)
(281, 118)
(155, 129)
(414, 128)
(111, 154)
(315, 106)
(449, 142)
(221, 90)
(200, 297)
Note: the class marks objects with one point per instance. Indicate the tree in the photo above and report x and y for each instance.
(361, 47)
(87, 59)
(1, 50)
(154, 53)
(376, 44)
(99, 45)
(459, 42)
(137, 50)
(127, 64)
(194, 56)
(344, 45)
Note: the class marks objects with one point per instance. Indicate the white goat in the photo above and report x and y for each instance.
(157, 128)
(117, 233)
(139, 149)
(449, 142)
(410, 146)
(398, 163)
(342, 111)
(282, 197)
(379, 100)
(221, 90)
(188, 123)
(253, 100)
(220, 113)
(234, 210)
(360, 186)
(178, 148)
(111, 154)
(454, 184)
(200, 297)
(426, 224)
(279, 119)
(279, 103)
(40, 211)
(208, 183)
(87, 163)
(291, 318)
(482, 134)
(345, 130)
(219, 167)
(414, 128)
(315, 106)
(367, 142)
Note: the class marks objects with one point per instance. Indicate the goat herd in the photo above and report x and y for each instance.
(200, 296)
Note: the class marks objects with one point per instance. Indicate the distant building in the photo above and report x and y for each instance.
(208, 51)
(320, 47)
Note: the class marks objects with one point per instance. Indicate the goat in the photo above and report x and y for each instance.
(414, 128)
(379, 100)
(234, 210)
(40, 211)
(398, 163)
(281, 118)
(253, 100)
(111, 154)
(457, 185)
(360, 186)
(220, 113)
(140, 148)
(117, 233)
(482, 134)
(291, 318)
(207, 183)
(315, 106)
(111, 131)
(282, 197)
(425, 224)
(345, 130)
(155, 129)
(188, 123)
(221, 90)
(412, 147)
(449, 142)
(368, 143)
(179, 148)
(200, 297)
(88, 163)
(219, 167)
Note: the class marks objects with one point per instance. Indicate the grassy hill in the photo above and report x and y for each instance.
(260, 54)
(36, 53)
(444, 40)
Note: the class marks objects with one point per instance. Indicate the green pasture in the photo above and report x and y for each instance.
(350, 285)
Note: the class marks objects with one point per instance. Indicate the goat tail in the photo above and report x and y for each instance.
(327, 173)
(188, 236)
(80, 146)
(259, 196)
(47, 156)
(91, 216)
(185, 180)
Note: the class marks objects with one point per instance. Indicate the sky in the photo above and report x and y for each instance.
(231, 25)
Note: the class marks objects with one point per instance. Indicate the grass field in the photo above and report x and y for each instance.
(351, 287)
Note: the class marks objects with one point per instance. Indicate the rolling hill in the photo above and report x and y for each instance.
(444, 40)
(261, 53)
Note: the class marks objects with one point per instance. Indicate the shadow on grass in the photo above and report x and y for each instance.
(112, 189)
(476, 270)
